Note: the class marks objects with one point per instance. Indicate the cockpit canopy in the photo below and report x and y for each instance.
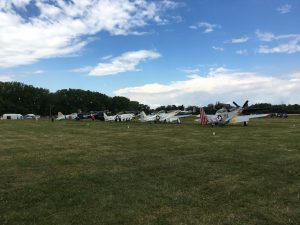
(223, 110)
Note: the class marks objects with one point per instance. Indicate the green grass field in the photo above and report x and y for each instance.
(85, 172)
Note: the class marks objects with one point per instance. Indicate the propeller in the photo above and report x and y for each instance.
(236, 104)
(245, 105)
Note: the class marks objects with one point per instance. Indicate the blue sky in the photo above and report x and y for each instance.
(156, 52)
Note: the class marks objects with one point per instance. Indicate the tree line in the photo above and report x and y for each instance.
(16, 97)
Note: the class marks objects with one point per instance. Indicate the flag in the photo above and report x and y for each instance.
(203, 117)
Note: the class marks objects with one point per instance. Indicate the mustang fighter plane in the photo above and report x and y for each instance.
(162, 116)
(228, 116)
(119, 117)
(61, 116)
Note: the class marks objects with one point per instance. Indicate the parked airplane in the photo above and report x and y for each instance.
(31, 116)
(162, 116)
(228, 116)
(169, 117)
(61, 116)
(119, 117)
(94, 115)
(148, 118)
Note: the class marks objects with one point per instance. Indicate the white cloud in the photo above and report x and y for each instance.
(238, 40)
(190, 71)
(288, 43)
(85, 69)
(63, 28)
(291, 47)
(265, 36)
(284, 9)
(268, 36)
(242, 52)
(220, 49)
(220, 84)
(106, 57)
(39, 72)
(17, 3)
(126, 62)
(6, 78)
(208, 27)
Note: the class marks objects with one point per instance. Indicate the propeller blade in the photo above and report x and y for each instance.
(245, 104)
(236, 104)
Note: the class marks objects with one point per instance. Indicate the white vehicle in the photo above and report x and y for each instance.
(119, 117)
(162, 116)
(31, 116)
(228, 116)
(148, 118)
(108, 118)
(12, 116)
(61, 116)
(169, 117)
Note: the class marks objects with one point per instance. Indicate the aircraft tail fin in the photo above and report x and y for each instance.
(203, 117)
(105, 116)
(60, 116)
(143, 115)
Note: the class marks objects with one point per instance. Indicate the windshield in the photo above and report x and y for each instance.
(222, 110)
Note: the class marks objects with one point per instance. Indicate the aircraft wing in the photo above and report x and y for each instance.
(184, 116)
(245, 118)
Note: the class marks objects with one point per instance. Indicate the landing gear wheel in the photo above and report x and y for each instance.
(157, 118)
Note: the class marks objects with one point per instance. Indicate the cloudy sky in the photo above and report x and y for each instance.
(157, 52)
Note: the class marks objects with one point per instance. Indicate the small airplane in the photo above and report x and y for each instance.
(169, 117)
(119, 117)
(228, 116)
(93, 115)
(162, 116)
(61, 116)
(31, 116)
(148, 118)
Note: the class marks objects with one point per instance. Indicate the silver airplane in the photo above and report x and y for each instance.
(119, 117)
(228, 116)
(163, 117)
(61, 116)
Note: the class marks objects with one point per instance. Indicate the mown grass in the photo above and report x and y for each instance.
(85, 172)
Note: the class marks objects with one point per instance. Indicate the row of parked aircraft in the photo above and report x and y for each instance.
(161, 116)
(223, 116)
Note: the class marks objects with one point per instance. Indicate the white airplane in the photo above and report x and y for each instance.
(169, 117)
(161, 116)
(119, 117)
(61, 116)
(31, 116)
(148, 118)
(228, 116)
